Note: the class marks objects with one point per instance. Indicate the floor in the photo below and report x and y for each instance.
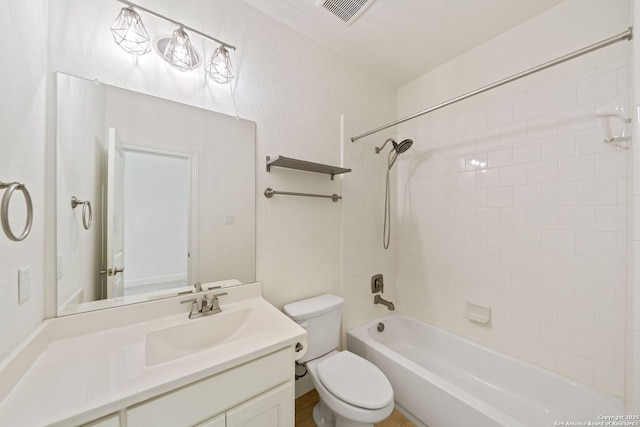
(305, 403)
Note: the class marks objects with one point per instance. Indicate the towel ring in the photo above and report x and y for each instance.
(4, 210)
(87, 212)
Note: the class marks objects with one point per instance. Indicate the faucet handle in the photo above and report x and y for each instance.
(215, 303)
(219, 294)
(205, 304)
(194, 306)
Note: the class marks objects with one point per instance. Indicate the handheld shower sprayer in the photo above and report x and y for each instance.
(393, 155)
(398, 148)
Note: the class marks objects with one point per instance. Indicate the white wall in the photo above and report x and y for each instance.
(570, 26)
(23, 90)
(292, 88)
(297, 95)
(512, 201)
(363, 254)
(295, 91)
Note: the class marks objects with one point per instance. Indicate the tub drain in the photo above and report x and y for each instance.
(380, 327)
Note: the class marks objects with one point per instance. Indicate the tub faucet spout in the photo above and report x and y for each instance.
(379, 300)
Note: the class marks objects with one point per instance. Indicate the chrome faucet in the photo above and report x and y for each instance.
(204, 309)
(379, 300)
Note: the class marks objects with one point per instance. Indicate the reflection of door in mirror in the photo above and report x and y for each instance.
(156, 180)
(115, 214)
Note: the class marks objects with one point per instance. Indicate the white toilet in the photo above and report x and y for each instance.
(352, 390)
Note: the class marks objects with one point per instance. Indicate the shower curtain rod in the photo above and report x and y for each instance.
(626, 35)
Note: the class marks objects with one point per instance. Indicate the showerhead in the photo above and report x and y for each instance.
(403, 146)
(398, 148)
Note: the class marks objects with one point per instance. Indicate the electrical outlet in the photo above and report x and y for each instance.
(24, 284)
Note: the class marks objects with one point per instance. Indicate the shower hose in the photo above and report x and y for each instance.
(386, 231)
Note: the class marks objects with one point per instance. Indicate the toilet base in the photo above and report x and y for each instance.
(325, 417)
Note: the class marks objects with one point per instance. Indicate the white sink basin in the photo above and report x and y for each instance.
(203, 333)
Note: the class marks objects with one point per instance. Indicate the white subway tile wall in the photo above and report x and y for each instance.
(518, 205)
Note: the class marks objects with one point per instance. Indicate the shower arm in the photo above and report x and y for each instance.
(626, 35)
(379, 149)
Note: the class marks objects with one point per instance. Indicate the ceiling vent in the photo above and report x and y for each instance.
(345, 10)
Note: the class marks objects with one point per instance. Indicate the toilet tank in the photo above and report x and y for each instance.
(320, 316)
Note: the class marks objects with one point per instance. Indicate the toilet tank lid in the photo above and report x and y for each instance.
(312, 307)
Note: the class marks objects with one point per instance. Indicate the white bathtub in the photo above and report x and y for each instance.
(440, 379)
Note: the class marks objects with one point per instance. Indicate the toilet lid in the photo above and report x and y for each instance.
(355, 380)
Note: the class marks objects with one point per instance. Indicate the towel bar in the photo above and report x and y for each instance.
(269, 193)
(87, 211)
(4, 210)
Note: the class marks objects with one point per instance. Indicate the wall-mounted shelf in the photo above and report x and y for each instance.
(286, 162)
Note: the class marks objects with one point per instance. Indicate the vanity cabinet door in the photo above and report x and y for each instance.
(271, 409)
(189, 405)
(218, 421)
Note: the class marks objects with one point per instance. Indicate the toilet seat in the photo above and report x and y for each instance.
(355, 381)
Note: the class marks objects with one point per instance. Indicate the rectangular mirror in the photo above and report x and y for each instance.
(153, 196)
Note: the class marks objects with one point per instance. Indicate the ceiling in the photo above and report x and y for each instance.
(399, 40)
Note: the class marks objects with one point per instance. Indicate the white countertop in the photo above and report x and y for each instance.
(86, 376)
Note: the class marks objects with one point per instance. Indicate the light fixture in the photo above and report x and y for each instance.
(129, 32)
(178, 51)
(219, 67)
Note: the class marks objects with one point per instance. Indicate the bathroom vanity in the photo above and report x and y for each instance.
(150, 365)
(224, 399)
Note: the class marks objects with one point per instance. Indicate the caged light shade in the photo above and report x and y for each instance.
(219, 67)
(129, 32)
(178, 51)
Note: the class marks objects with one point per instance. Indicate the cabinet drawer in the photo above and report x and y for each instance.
(194, 403)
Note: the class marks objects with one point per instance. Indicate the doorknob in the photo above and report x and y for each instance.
(111, 271)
